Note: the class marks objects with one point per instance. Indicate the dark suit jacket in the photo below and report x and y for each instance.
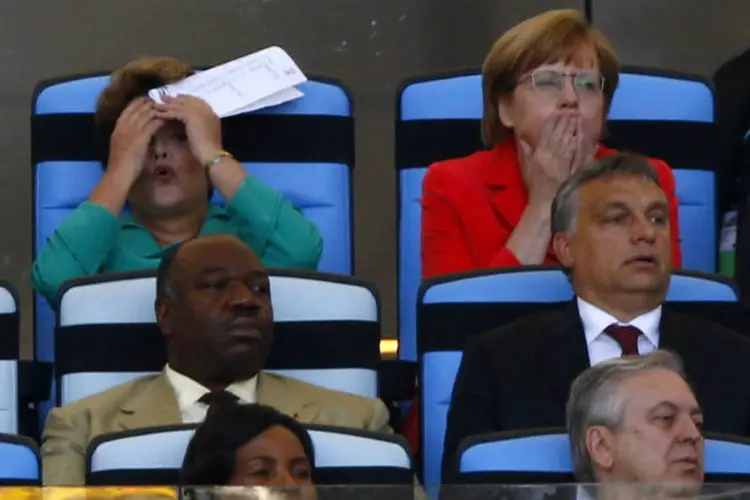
(519, 376)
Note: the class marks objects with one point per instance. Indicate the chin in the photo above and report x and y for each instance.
(649, 283)
(167, 204)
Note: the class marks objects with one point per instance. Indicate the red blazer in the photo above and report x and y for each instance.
(471, 205)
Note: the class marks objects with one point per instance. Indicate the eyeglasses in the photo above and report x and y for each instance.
(551, 82)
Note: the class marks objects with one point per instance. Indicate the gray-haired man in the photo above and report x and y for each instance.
(636, 420)
(611, 229)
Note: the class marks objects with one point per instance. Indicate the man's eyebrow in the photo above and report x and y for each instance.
(695, 410)
(212, 270)
(663, 405)
(658, 205)
(616, 204)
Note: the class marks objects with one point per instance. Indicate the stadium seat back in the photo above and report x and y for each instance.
(10, 376)
(153, 456)
(689, 286)
(314, 175)
(452, 309)
(327, 332)
(422, 106)
(20, 462)
(670, 116)
(544, 456)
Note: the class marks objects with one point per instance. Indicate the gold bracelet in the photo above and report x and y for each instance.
(216, 159)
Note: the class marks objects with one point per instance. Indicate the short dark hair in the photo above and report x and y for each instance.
(165, 286)
(565, 205)
(210, 456)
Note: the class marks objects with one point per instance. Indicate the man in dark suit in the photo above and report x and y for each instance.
(610, 225)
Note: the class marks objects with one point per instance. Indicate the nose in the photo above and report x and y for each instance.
(159, 148)
(283, 478)
(241, 296)
(691, 432)
(568, 93)
(642, 229)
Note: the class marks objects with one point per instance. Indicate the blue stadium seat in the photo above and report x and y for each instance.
(440, 345)
(10, 367)
(423, 103)
(546, 452)
(452, 308)
(690, 286)
(20, 463)
(727, 455)
(669, 117)
(327, 331)
(536, 451)
(314, 174)
(154, 456)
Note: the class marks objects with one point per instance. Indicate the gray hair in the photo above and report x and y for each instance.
(565, 204)
(594, 400)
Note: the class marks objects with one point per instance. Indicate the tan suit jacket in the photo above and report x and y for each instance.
(150, 401)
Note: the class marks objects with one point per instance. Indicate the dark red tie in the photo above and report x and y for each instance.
(626, 336)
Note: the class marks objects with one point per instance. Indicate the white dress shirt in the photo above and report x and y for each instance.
(188, 392)
(601, 346)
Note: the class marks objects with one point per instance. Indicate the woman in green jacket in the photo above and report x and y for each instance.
(165, 160)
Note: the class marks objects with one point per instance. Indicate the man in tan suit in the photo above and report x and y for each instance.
(213, 306)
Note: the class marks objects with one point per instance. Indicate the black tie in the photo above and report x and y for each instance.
(626, 336)
(219, 398)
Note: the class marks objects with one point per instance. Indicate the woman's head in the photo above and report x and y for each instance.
(249, 445)
(548, 65)
(172, 180)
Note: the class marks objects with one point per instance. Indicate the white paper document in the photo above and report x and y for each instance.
(256, 81)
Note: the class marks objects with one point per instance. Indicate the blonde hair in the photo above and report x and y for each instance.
(552, 36)
(131, 81)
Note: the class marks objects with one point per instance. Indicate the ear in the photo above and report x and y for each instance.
(561, 244)
(600, 447)
(505, 111)
(163, 317)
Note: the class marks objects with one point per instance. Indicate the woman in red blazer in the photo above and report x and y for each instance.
(548, 84)
(547, 87)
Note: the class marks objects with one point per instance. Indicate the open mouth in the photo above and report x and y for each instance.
(163, 173)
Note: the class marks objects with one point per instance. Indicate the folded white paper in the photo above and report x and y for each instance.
(256, 81)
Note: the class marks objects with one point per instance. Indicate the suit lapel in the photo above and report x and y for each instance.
(155, 404)
(508, 194)
(563, 353)
(286, 396)
(676, 334)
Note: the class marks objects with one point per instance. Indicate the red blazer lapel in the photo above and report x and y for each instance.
(507, 191)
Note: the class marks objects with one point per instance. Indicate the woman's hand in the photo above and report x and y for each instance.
(585, 151)
(561, 150)
(202, 126)
(128, 145)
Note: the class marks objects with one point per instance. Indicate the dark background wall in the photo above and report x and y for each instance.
(370, 44)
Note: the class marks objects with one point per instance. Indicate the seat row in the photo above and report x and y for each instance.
(327, 332)
(662, 114)
(148, 457)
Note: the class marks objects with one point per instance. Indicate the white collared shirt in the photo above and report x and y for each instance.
(188, 392)
(601, 346)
